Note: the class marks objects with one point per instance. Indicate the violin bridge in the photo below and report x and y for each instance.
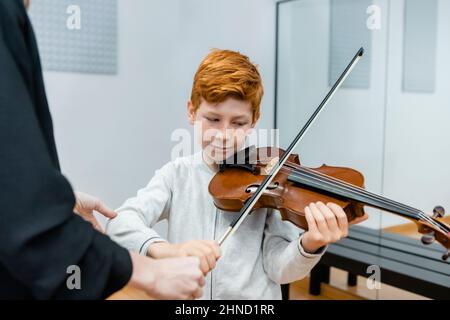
(269, 166)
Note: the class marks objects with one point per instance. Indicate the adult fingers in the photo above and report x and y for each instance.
(103, 209)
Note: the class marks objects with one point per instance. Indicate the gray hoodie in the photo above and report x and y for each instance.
(263, 253)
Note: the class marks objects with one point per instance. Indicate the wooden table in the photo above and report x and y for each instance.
(130, 293)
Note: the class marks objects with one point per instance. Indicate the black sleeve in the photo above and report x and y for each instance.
(40, 236)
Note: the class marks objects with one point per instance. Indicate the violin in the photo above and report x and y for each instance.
(274, 178)
(295, 187)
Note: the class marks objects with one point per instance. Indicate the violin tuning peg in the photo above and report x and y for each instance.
(446, 255)
(438, 212)
(428, 238)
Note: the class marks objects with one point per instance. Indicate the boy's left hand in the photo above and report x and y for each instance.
(326, 224)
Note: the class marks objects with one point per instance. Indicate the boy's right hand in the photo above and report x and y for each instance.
(208, 251)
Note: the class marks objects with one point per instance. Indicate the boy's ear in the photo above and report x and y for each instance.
(191, 112)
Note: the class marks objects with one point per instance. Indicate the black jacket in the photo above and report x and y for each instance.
(40, 236)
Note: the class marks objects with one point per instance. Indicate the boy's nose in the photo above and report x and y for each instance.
(224, 136)
(227, 133)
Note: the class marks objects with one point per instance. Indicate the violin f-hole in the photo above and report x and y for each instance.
(254, 187)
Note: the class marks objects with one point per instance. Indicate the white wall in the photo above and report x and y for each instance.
(417, 132)
(112, 132)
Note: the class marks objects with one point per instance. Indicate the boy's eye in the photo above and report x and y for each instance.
(212, 119)
(240, 124)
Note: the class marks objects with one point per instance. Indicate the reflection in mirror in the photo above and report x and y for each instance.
(388, 121)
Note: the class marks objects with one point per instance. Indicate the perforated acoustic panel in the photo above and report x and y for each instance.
(349, 32)
(76, 35)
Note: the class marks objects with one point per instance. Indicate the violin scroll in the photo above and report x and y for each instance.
(438, 212)
(435, 230)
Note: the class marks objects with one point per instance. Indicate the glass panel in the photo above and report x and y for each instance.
(371, 125)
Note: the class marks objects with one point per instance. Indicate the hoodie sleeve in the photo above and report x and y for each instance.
(284, 259)
(132, 227)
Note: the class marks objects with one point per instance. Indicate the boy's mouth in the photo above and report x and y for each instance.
(220, 151)
(225, 148)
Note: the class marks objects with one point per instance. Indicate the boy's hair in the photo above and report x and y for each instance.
(224, 74)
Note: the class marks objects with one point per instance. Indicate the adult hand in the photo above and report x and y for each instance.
(171, 278)
(86, 205)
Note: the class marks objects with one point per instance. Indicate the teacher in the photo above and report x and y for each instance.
(41, 239)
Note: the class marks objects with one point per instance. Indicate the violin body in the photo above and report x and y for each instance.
(235, 184)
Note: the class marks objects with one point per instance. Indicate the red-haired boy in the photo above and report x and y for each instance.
(265, 252)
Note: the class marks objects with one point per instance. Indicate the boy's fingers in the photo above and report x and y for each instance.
(310, 220)
(204, 264)
(341, 216)
(320, 220)
(208, 253)
(330, 217)
(215, 246)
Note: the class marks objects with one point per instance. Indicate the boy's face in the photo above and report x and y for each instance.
(223, 126)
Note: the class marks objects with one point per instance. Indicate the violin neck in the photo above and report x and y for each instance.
(341, 189)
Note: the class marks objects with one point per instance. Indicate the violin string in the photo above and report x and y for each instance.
(402, 207)
(355, 188)
(385, 201)
(319, 178)
(399, 206)
(395, 204)
(360, 190)
(339, 182)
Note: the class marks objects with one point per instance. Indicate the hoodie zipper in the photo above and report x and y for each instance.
(214, 237)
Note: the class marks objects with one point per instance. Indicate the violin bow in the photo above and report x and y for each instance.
(248, 206)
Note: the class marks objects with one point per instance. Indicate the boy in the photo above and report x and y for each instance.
(265, 251)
